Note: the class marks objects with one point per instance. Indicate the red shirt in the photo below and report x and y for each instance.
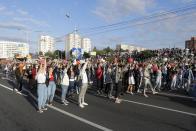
(51, 77)
(33, 73)
(99, 73)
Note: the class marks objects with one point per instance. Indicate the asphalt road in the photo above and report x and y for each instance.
(135, 113)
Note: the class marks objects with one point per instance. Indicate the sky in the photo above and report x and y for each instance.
(26, 20)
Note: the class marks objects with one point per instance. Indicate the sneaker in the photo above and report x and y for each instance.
(131, 93)
(154, 92)
(15, 90)
(85, 104)
(138, 91)
(145, 95)
(44, 109)
(127, 92)
(50, 103)
(64, 103)
(81, 106)
(117, 101)
(98, 93)
(40, 111)
(111, 97)
(101, 92)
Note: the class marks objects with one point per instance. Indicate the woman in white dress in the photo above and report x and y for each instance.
(131, 80)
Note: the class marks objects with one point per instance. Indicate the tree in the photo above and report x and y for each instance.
(108, 50)
(100, 52)
(105, 51)
(50, 54)
(86, 55)
(95, 49)
(57, 54)
(63, 54)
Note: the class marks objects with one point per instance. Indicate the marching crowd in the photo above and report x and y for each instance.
(111, 79)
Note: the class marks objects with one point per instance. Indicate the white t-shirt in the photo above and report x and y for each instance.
(41, 77)
(83, 74)
(65, 79)
(84, 77)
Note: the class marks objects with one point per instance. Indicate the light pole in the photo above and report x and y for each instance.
(67, 15)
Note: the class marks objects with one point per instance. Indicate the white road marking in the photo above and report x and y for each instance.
(67, 113)
(4, 78)
(159, 107)
(81, 119)
(6, 87)
(12, 90)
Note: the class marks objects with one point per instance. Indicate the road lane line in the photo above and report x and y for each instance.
(160, 107)
(80, 119)
(173, 95)
(66, 113)
(12, 90)
(6, 87)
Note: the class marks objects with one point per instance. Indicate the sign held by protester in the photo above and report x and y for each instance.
(93, 53)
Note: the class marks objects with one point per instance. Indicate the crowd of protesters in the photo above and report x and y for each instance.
(123, 75)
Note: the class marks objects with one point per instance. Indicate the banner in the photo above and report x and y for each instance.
(93, 53)
(77, 52)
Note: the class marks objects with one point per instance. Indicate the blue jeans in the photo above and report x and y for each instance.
(64, 92)
(51, 90)
(71, 86)
(42, 95)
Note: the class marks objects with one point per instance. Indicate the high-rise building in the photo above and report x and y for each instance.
(8, 49)
(191, 44)
(86, 45)
(72, 40)
(77, 44)
(128, 47)
(46, 44)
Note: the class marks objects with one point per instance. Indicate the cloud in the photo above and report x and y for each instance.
(166, 33)
(186, 1)
(111, 10)
(183, 1)
(4, 11)
(13, 25)
(24, 16)
(7, 38)
(159, 34)
(19, 16)
(2, 8)
(31, 20)
(22, 12)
